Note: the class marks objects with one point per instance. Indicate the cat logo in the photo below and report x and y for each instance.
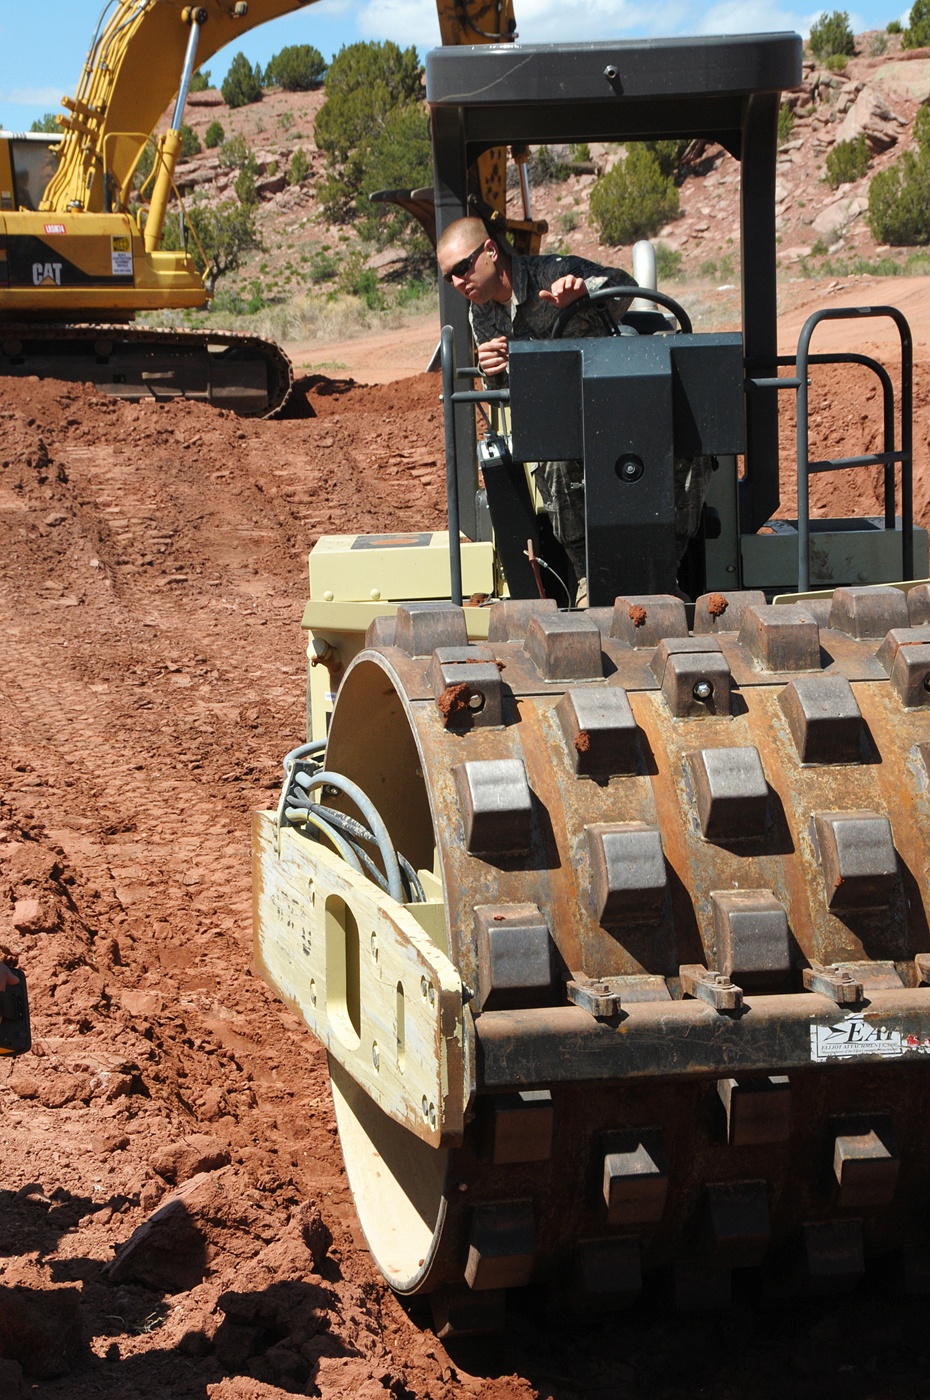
(46, 274)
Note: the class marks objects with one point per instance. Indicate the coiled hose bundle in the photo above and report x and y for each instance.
(304, 771)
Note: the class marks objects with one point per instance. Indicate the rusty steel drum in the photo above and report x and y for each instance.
(685, 886)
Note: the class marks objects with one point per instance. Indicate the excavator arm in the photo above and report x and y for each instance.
(134, 69)
(77, 262)
(141, 59)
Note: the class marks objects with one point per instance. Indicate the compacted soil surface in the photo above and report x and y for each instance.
(174, 1219)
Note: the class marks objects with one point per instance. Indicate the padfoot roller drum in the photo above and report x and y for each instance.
(664, 1003)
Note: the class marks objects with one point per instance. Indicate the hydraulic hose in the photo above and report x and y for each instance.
(373, 817)
(344, 847)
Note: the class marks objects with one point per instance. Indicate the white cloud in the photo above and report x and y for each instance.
(32, 97)
(404, 21)
(578, 21)
(538, 21)
(753, 17)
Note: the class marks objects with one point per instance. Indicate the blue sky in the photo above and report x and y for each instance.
(43, 44)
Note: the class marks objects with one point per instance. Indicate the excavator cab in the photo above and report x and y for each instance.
(28, 161)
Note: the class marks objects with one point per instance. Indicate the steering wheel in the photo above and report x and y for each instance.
(604, 294)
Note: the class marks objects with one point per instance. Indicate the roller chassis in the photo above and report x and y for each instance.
(669, 980)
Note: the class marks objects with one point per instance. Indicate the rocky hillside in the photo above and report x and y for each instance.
(819, 228)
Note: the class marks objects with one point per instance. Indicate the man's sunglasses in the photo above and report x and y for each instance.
(463, 266)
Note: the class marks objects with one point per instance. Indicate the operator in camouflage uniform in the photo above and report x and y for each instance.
(518, 298)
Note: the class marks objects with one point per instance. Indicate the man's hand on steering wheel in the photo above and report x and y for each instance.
(564, 291)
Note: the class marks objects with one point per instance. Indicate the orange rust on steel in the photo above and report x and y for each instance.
(822, 936)
(799, 872)
(671, 813)
(553, 783)
(888, 723)
(561, 1044)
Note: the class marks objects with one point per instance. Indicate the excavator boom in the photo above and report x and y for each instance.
(77, 261)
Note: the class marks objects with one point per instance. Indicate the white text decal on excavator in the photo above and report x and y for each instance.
(854, 1036)
(46, 274)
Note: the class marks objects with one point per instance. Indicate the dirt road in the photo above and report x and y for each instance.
(153, 573)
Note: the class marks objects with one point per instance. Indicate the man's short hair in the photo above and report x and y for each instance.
(470, 230)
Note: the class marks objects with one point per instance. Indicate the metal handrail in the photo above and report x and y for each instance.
(450, 397)
(886, 459)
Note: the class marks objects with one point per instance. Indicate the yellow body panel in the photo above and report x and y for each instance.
(356, 578)
(77, 263)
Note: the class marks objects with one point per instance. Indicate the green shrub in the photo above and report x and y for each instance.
(400, 157)
(668, 154)
(831, 34)
(363, 83)
(323, 267)
(581, 152)
(226, 233)
(837, 63)
(847, 162)
(286, 121)
(246, 192)
(360, 281)
(298, 68)
(243, 83)
(668, 263)
(214, 135)
(917, 34)
(878, 45)
(785, 123)
(299, 168)
(894, 26)
(634, 199)
(568, 221)
(48, 124)
(235, 153)
(190, 142)
(899, 202)
(921, 128)
(375, 130)
(414, 290)
(547, 168)
(201, 81)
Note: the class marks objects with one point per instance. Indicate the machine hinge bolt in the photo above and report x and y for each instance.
(375, 1055)
(610, 72)
(476, 701)
(703, 690)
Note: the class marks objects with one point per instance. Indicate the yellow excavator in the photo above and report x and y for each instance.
(77, 263)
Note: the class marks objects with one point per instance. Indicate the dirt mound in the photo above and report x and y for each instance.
(175, 1219)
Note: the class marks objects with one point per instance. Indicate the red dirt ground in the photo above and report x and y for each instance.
(153, 565)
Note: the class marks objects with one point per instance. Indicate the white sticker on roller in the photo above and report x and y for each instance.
(854, 1036)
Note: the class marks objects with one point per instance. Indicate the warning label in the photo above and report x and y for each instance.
(121, 255)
